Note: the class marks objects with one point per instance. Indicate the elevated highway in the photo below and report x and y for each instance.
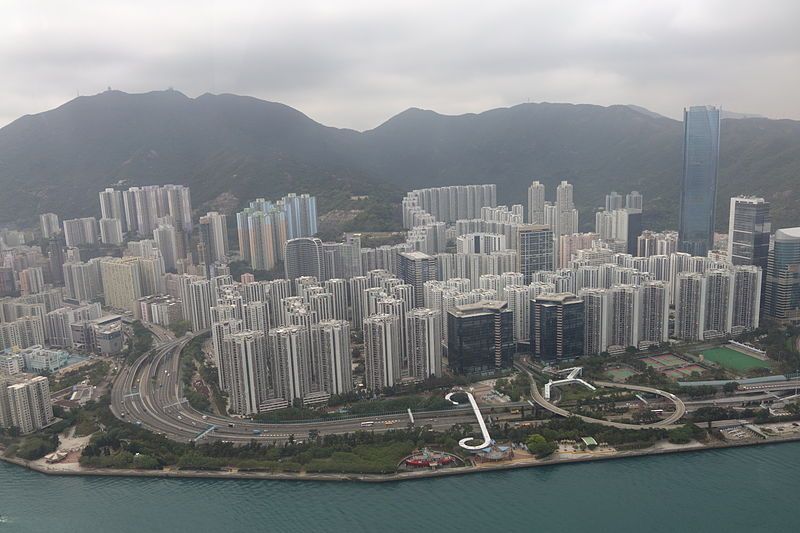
(149, 393)
(667, 423)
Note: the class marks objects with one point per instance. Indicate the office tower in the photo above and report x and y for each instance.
(745, 298)
(290, 362)
(654, 312)
(597, 319)
(480, 337)
(332, 349)
(718, 285)
(749, 231)
(690, 301)
(166, 238)
(557, 326)
(699, 186)
(424, 343)
(56, 257)
(782, 298)
(382, 356)
(49, 224)
(214, 237)
(26, 405)
(80, 231)
(111, 231)
(625, 308)
(634, 200)
(246, 354)
(536, 203)
(415, 268)
(121, 278)
(614, 201)
(632, 220)
(112, 205)
(304, 257)
(534, 249)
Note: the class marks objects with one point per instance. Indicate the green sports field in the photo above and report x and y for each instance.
(732, 359)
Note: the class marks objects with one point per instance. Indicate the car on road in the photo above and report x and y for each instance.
(205, 417)
(231, 425)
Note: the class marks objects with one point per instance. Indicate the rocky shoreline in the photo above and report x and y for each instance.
(56, 470)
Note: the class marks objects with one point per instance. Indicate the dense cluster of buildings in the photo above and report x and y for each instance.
(473, 283)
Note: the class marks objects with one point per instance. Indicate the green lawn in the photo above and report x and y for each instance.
(732, 359)
(620, 374)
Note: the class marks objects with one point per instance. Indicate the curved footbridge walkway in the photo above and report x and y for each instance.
(667, 423)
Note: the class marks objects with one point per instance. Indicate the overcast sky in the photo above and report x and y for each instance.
(354, 64)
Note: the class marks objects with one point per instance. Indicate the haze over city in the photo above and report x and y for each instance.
(354, 64)
(251, 249)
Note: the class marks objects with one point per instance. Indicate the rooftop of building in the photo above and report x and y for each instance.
(416, 256)
(787, 234)
(559, 297)
(482, 307)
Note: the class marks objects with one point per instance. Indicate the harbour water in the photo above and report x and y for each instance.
(749, 489)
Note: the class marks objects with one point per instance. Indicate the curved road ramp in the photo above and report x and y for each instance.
(669, 422)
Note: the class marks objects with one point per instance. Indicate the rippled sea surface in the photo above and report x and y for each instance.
(749, 489)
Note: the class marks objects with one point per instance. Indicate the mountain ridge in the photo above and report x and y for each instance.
(240, 145)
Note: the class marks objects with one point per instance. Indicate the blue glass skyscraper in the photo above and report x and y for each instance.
(699, 187)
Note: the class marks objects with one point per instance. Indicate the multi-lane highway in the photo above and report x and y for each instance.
(149, 393)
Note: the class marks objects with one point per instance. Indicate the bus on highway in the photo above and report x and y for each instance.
(367, 424)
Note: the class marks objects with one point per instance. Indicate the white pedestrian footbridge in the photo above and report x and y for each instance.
(487, 440)
(571, 379)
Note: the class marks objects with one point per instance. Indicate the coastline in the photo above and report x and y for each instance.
(383, 478)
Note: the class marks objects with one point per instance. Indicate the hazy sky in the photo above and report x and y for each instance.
(354, 64)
